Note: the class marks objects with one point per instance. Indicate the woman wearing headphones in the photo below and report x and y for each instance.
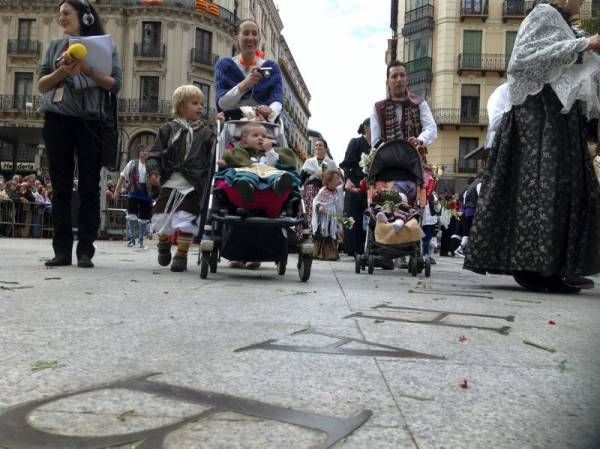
(75, 111)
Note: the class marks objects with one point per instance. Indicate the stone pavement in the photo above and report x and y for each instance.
(66, 329)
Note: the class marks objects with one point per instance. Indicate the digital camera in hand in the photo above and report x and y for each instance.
(265, 71)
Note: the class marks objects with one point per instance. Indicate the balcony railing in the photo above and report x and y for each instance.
(20, 103)
(465, 166)
(419, 13)
(482, 62)
(456, 116)
(149, 51)
(516, 9)
(199, 56)
(418, 19)
(418, 65)
(474, 8)
(139, 106)
(23, 47)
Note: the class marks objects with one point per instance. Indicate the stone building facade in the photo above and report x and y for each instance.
(456, 53)
(162, 44)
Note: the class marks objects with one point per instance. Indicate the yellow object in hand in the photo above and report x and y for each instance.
(76, 52)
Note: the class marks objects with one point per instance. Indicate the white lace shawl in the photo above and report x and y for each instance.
(333, 202)
(545, 51)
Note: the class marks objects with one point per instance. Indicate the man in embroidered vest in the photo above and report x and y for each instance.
(402, 115)
(139, 201)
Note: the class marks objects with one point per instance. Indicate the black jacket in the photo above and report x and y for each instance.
(197, 168)
(356, 148)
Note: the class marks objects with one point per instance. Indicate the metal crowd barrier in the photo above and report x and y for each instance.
(31, 220)
(22, 219)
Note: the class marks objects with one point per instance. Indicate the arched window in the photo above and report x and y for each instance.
(145, 137)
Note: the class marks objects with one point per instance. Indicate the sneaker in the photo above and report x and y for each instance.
(460, 252)
(455, 236)
(432, 261)
(398, 224)
(245, 189)
(130, 243)
(141, 245)
(283, 183)
(577, 282)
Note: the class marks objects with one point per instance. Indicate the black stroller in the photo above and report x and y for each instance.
(253, 238)
(395, 161)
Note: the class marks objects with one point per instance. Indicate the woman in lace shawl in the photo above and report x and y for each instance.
(327, 207)
(539, 209)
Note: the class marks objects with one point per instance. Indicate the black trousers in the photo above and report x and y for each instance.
(66, 137)
(354, 206)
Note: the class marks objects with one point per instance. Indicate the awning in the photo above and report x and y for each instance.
(15, 134)
(478, 153)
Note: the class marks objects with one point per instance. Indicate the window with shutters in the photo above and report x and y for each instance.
(469, 103)
(471, 56)
(149, 93)
(23, 90)
(511, 36)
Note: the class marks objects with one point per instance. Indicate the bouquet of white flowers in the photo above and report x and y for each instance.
(345, 221)
(366, 159)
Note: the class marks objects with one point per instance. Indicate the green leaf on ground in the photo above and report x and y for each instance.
(123, 416)
(562, 366)
(45, 364)
(415, 397)
(539, 346)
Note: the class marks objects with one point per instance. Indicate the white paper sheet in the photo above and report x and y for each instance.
(99, 57)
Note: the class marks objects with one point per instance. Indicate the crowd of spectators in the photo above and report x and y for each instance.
(24, 203)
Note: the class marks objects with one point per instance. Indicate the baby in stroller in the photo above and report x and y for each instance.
(395, 198)
(255, 176)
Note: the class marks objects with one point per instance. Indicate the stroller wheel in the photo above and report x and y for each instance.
(371, 267)
(214, 260)
(357, 264)
(413, 265)
(427, 267)
(204, 264)
(304, 264)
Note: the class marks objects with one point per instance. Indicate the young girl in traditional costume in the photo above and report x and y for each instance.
(328, 206)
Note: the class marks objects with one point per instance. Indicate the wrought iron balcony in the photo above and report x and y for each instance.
(140, 106)
(418, 19)
(20, 103)
(141, 50)
(23, 47)
(459, 117)
(199, 56)
(482, 63)
(465, 166)
(474, 8)
(516, 9)
(419, 71)
(418, 65)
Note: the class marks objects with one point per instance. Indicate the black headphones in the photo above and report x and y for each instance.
(87, 18)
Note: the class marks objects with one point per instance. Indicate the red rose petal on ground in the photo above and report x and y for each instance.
(464, 384)
(552, 322)
(462, 338)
